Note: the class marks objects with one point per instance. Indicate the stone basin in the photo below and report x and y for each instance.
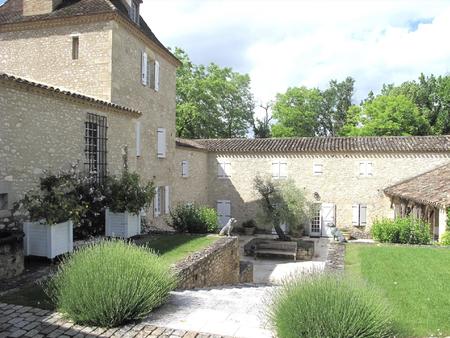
(11, 253)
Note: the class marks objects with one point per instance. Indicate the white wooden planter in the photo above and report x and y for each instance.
(48, 240)
(122, 224)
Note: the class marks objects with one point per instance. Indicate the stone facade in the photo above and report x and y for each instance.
(108, 67)
(340, 182)
(42, 131)
(216, 265)
(45, 55)
(194, 187)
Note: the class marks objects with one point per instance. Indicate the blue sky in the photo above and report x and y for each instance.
(283, 43)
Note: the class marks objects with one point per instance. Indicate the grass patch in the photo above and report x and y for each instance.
(171, 248)
(415, 281)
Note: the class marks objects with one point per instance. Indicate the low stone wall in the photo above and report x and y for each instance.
(216, 265)
(335, 257)
(358, 233)
(11, 254)
(246, 272)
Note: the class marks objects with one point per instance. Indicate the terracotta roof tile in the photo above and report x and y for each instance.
(66, 93)
(432, 187)
(327, 144)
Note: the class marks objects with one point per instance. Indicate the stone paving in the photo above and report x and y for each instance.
(23, 321)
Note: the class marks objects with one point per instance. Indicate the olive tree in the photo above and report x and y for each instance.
(283, 202)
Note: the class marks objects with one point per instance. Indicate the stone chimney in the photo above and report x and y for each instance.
(37, 7)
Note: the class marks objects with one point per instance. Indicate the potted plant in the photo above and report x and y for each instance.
(125, 198)
(249, 227)
(50, 212)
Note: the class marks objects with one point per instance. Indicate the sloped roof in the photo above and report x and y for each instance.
(66, 93)
(432, 187)
(11, 12)
(326, 144)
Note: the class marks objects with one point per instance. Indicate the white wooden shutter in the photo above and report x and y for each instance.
(184, 168)
(355, 214)
(144, 71)
(227, 169)
(369, 168)
(223, 212)
(157, 71)
(221, 170)
(167, 199)
(275, 169)
(138, 138)
(157, 202)
(283, 170)
(362, 214)
(362, 168)
(317, 169)
(161, 142)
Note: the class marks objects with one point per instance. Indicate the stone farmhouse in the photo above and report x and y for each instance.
(86, 82)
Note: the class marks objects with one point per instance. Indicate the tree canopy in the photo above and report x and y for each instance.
(303, 111)
(212, 102)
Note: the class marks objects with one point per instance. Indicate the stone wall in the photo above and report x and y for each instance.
(216, 265)
(340, 182)
(42, 131)
(193, 188)
(11, 254)
(45, 55)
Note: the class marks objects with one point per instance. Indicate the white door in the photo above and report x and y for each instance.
(315, 223)
(223, 212)
(328, 218)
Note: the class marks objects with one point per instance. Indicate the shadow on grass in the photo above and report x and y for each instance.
(31, 295)
(162, 244)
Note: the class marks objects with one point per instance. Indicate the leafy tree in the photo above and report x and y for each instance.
(282, 202)
(296, 112)
(336, 100)
(212, 102)
(261, 127)
(431, 95)
(386, 115)
(310, 112)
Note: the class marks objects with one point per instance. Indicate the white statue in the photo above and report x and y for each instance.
(228, 227)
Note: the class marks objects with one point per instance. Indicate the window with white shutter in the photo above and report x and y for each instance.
(184, 168)
(317, 169)
(166, 199)
(365, 168)
(157, 202)
(279, 170)
(138, 138)
(161, 143)
(144, 70)
(157, 73)
(161, 201)
(359, 215)
(224, 170)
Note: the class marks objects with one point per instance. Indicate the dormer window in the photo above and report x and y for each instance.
(134, 11)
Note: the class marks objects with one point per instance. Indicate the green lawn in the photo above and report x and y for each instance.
(171, 248)
(415, 281)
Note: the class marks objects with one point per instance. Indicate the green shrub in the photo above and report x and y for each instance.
(329, 306)
(110, 283)
(193, 219)
(405, 230)
(126, 193)
(445, 239)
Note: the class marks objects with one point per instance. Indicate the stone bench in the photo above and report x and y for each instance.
(276, 248)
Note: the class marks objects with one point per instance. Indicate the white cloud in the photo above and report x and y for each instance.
(289, 43)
